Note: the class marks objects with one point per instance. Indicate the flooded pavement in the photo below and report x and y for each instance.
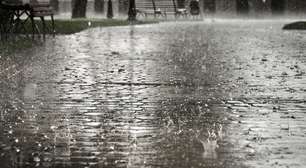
(223, 94)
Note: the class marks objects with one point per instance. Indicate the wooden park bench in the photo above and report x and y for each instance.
(21, 13)
(170, 7)
(147, 7)
(41, 10)
(15, 11)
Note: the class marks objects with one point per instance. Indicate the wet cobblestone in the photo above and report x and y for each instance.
(186, 94)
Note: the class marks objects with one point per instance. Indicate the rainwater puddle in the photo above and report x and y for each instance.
(186, 94)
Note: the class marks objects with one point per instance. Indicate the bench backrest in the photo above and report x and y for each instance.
(166, 5)
(145, 4)
(11, 2)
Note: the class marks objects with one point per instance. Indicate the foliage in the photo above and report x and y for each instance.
(295, 26)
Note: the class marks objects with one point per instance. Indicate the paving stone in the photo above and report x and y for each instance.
(183, 94)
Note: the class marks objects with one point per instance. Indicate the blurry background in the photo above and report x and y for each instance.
(223, 8)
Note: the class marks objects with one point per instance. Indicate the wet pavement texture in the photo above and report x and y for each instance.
(223, 94)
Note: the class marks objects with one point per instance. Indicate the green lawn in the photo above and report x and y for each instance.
(77, 25)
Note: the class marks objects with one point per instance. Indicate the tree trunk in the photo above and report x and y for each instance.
(79, 8)
(243, 6)
(99, 6)
(110, 13)
(132, 10)
(278, 6)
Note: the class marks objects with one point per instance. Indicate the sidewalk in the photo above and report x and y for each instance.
(201, 94)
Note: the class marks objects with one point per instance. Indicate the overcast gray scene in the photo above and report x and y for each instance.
(152, 84)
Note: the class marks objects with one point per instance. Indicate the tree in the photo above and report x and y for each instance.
(278, 6)
(79, 8)
(110, 13)
(243, 6)
(132, 10)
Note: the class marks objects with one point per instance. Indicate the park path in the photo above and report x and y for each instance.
(181, 94)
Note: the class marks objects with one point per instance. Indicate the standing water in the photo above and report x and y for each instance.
(221, 93)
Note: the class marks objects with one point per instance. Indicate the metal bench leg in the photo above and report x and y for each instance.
(53, 25)
(33, 26)
(44, 26)
(1, 32)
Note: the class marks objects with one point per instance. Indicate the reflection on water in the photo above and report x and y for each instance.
(96, 104)
(30, 91)
(210, 143)
(143, 96)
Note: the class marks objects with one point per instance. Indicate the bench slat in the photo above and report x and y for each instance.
(159, 7)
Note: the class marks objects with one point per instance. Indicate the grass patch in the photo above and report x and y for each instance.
(295, 26)
(72, 26)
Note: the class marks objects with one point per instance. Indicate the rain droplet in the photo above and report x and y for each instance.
(284, 74)
(36, 159)
(53, 127)
(112, 147)
(46, 137)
